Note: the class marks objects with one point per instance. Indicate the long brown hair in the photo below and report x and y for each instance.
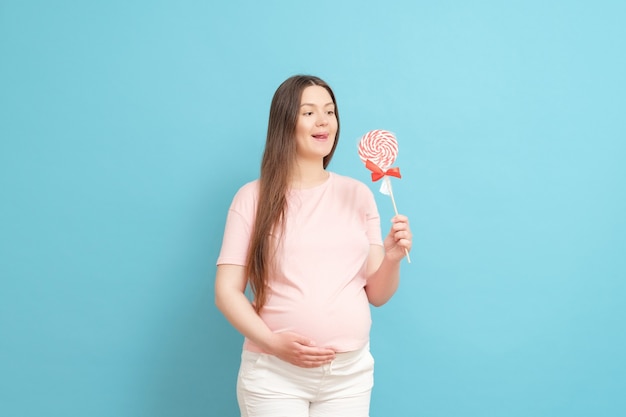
(276, 166)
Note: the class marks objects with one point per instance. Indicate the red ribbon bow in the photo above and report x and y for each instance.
(378, 173)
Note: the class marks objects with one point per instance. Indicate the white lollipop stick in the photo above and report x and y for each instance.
(395, 209)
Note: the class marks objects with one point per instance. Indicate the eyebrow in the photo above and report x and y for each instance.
(313, 105)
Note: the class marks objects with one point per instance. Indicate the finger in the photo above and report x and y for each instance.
(307, 345)
(319, 354)
(405, 244)
(318, 360)
(400, 218)
(396, 226)
(402, 234)
(312, 364)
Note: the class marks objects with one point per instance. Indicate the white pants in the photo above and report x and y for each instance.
(270, 387)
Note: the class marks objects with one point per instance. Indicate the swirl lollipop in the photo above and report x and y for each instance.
(378, 149)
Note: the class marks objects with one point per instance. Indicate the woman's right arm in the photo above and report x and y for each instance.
(230, 299)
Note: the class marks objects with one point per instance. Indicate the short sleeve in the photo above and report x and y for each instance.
(373, 219)
(238, 229)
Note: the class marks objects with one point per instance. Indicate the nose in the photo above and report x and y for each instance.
(322, 119)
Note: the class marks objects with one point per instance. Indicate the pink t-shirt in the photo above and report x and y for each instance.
(317, 286)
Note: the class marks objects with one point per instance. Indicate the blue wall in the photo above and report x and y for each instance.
(127, 126)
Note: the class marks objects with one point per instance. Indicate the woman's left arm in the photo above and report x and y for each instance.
(383, 265)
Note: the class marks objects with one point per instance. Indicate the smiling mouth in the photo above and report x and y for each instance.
(321, 136)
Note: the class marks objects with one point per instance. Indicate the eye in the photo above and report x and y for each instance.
(330, 112)
(307, 113)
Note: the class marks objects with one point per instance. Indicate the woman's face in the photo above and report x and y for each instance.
(316, 127)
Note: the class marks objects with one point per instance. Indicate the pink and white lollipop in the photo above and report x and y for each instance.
(380, 147)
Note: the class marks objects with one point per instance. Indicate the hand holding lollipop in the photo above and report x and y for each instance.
(378, 149)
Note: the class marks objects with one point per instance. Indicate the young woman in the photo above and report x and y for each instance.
(308, 242)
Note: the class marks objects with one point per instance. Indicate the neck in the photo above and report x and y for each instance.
(308, 174)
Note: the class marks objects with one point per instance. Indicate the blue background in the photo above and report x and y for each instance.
(127, 126)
